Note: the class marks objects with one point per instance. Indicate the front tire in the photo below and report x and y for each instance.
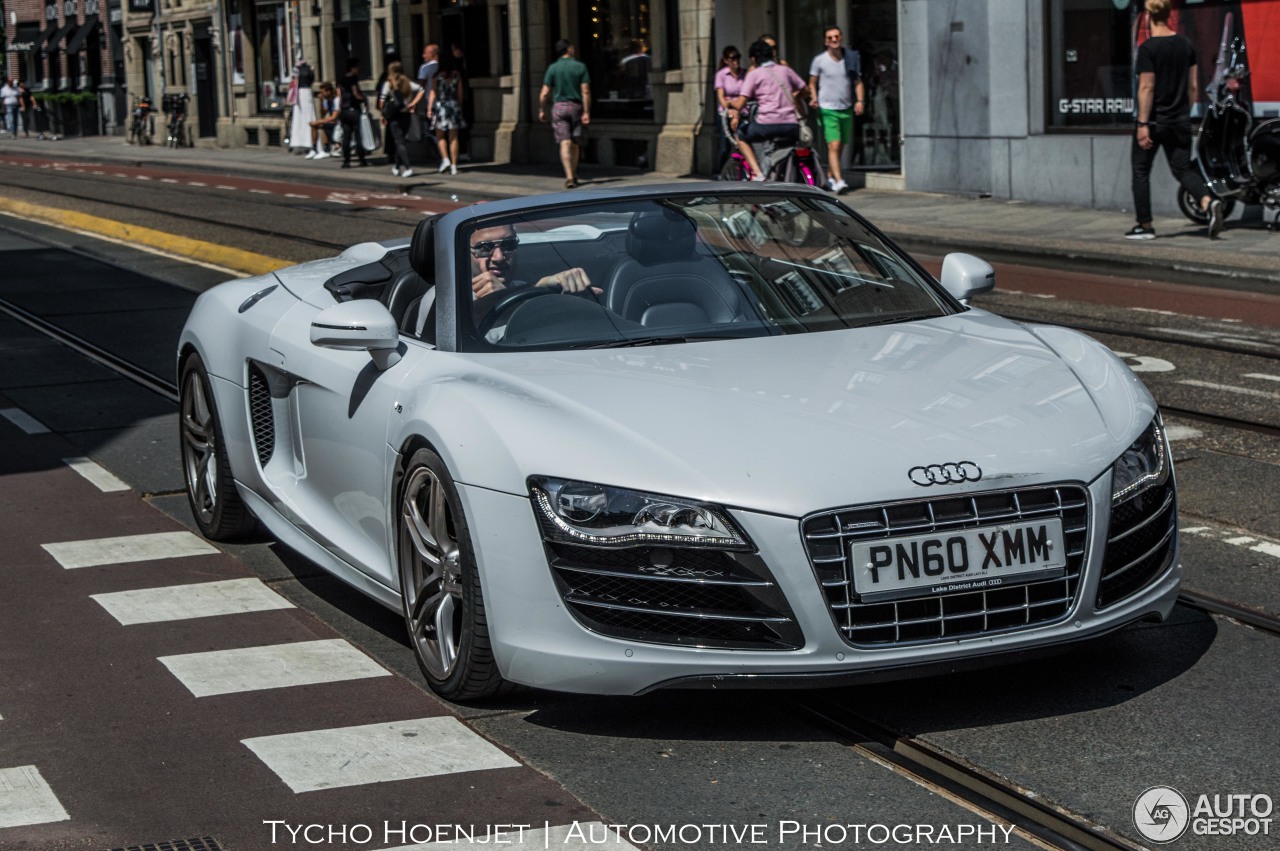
(440, 585)
(1190, 207)
(215, 503)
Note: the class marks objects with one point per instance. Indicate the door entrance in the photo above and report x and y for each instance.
(206, 103)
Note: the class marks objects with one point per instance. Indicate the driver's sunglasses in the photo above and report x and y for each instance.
(485, 249)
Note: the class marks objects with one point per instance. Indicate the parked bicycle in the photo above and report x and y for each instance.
(142, 127)
(175, 106)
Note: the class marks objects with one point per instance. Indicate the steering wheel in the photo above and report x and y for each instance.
(507, 299)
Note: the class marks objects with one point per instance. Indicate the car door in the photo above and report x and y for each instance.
(340, 407)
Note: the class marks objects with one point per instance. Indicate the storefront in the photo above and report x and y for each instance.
(1033, 99)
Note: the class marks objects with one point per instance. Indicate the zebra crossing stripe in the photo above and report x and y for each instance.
(273, 666)
(129, 548)
(376, 753)
(24, 421)
(25, 798)
(583, 836)
(96, 475)
(196, 600)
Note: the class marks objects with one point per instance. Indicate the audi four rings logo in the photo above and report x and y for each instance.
(945, 474)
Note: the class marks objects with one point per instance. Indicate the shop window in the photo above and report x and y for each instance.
(269, 20)
(615, 44)
(1090, 55)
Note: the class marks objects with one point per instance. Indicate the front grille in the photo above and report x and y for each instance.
(929, 617)
(261, 416)
(668, 595)
(1140, 543)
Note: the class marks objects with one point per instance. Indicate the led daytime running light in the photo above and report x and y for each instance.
(1147, 479)
(543, 500)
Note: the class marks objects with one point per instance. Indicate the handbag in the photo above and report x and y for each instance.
(292, 97)
(415, 128)
(747, 117)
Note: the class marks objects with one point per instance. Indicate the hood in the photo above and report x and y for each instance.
(795, 424)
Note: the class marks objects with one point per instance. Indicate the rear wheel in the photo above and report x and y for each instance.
(440, 585)
(735, 168)
(215, 503)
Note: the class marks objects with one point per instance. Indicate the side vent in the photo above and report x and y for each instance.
(260, 415)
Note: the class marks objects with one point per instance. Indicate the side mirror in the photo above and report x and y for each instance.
(965, 276)
(361, 325)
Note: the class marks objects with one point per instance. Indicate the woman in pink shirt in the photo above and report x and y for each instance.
(774, 88)
(728, 85)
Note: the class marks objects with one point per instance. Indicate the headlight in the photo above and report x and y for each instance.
(1142, 465)
(600, 515)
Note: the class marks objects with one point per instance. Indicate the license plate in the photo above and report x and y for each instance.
(958, 560)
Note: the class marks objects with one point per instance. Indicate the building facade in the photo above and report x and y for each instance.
(1016, 99)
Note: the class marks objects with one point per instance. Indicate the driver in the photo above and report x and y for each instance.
(493, 265)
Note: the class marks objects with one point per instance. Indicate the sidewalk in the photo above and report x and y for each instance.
(1247, 256)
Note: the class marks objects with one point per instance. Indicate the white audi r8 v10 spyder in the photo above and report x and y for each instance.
(679, 436)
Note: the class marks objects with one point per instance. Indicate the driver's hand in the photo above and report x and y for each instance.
(485, 283)
(573, 280)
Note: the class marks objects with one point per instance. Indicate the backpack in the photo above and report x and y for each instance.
(394, 104)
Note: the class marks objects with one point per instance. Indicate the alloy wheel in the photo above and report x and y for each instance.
(430, 564)
(200, 448)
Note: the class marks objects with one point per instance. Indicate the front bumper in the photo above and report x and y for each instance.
(538, 642)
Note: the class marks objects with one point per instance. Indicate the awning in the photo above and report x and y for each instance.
(53, 36)
(77, 40)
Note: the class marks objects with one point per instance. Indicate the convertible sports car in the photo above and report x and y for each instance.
(693, 435)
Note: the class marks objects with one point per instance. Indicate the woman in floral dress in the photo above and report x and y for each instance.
(445, 108)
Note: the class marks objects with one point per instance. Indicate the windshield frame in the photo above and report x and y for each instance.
(465, 336)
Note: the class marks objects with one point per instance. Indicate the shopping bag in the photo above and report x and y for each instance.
(369, 140)
(415, 128)
(336, 133)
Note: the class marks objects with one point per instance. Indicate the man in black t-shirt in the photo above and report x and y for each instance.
(1167, 86)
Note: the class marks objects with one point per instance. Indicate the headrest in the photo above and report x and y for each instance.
(660, 236)
(422, 250)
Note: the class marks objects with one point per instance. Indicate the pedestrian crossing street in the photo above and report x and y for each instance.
(305, 760)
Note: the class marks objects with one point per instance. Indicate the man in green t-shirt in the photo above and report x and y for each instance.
(567, 87)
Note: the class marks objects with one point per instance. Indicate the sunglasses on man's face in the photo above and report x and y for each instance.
(484, 249)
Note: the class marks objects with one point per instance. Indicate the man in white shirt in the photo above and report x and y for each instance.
(9, 95)
(834, 87)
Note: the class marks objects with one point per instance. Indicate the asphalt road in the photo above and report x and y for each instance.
(1186, 704)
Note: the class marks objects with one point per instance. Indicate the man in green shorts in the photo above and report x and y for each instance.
(567, 87)
(836, 90)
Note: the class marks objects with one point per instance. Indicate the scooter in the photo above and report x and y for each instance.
(1239, 159)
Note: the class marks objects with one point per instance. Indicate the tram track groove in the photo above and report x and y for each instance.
(982, 793)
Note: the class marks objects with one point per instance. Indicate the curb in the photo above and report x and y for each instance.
(234, 259)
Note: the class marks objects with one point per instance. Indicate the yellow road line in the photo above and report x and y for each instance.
(205, 252)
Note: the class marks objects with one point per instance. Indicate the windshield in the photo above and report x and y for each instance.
(668, 270)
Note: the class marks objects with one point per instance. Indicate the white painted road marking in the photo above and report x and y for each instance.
(275, 666)
(24, 421)
(1269, 548)
(1230, 388)
(185, 602)
(1262, 375)
(579, 835)
(97, 476)
(1181, 432)
(1146, 364)
(129, 548)
(376, 753)
(26, 799)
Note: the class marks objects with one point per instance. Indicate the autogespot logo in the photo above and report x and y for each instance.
(1160, 814)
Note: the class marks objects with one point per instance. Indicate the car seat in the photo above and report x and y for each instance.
(664, 281)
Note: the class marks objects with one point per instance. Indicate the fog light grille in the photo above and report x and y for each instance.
(1140, 543)
(678, 596)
